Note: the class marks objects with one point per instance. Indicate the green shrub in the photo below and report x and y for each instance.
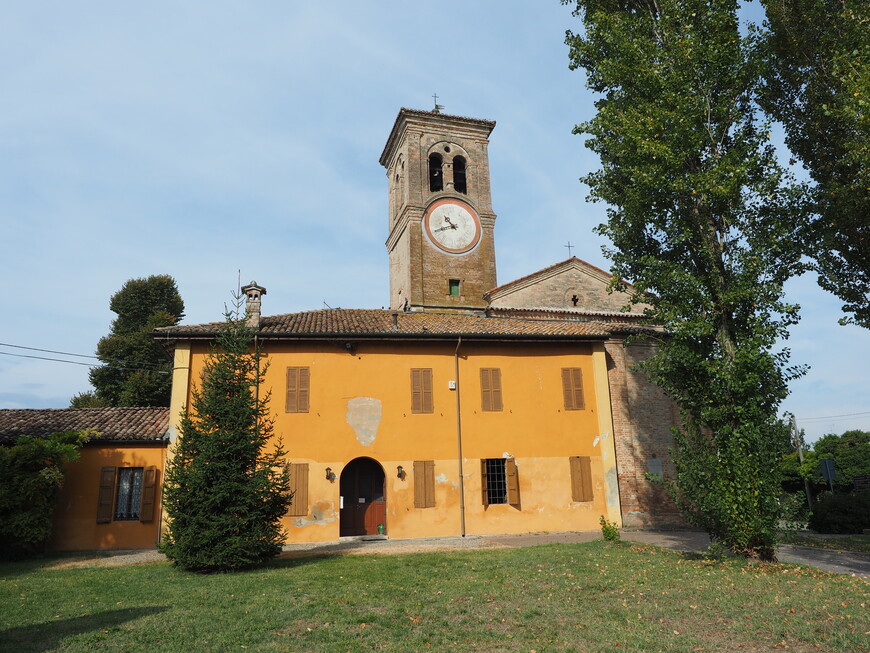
(609, 530)
(841, 513)
(31, 477)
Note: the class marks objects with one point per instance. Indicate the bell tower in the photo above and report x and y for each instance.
(442, 253)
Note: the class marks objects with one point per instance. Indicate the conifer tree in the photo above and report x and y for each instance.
(226, 485)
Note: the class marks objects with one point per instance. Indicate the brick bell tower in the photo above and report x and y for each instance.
(442, 253)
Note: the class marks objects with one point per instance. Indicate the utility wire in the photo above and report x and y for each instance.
(60, 360)
(809, 419)
(118, 363)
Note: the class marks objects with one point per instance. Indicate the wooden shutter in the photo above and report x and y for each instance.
(572, 388)
(421, 391)
(490, 389)
(424, 483)
(149, 494)
(299, 488)
(298, 383)
(106, 498)
(581, 478)
(513, 481)
(483, 485)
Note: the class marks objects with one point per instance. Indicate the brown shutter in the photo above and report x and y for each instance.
(483, 486)
(581, 478)
(304, 382)
(513, 481)
(424, 483)
(416, 391)
(495, 375)
(485, 389)
(107, 495)
(299, 488)
(572, 388)
(149, 494)
(292, 403)
(298, 382)
(428, 403)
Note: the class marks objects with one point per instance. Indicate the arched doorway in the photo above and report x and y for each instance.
(364, 503)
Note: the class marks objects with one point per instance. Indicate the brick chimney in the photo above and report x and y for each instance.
(252, 306)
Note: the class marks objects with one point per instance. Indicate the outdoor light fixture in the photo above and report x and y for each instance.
(401, 471)
(329, 475)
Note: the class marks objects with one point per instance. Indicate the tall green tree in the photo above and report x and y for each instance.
(135, 370)
(226, 484)
(707, 226)
(818, 87)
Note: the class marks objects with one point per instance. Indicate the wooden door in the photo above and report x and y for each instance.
(364, 502)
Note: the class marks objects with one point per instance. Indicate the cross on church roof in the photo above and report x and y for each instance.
(570, 247)
(438, 107)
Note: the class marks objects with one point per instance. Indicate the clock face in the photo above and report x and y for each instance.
(452, 225)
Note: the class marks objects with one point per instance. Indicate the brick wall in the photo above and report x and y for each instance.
(642, 419)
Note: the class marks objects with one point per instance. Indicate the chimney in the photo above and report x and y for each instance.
(252, 306)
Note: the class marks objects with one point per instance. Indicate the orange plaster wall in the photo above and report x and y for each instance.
(534, 428)
(75, 519)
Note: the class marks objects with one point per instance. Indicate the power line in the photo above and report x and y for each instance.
(60, 360)
(809, 419)
(125, 364)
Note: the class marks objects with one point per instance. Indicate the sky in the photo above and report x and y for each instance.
(217, 141)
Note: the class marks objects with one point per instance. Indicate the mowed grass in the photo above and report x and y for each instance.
(571, 597)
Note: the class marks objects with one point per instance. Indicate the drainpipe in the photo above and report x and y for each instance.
(459, 440)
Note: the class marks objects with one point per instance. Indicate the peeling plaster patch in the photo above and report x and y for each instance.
(441, 478)
(364, 417)
(596, 441)
(505, 454)
(611, 487)
(322, 512)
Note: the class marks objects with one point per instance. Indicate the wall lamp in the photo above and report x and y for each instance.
(330, 476)
(401, 471)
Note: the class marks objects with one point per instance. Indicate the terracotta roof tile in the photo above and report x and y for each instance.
(113, 424)
(379, 323)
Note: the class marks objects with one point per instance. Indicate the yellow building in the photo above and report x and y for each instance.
(465, 408)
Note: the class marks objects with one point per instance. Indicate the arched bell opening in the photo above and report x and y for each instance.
(363, 498)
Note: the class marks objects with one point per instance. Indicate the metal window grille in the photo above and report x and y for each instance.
(496, 481)
(129, 493)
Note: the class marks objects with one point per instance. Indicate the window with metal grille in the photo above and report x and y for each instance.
(496, 481)
(129, 496)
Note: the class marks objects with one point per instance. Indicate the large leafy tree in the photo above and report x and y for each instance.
(226, 484)
(818, 86)
(135, 371)
(706, 225)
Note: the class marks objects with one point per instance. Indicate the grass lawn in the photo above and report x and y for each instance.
(858, 543)
(578, 597)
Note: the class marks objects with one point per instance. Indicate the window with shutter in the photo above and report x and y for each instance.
(424, 483)
(499, 481)
(490, 389)
(572, 388)
(581, 478)
(298, 383)
(299, 488)
(421, 391)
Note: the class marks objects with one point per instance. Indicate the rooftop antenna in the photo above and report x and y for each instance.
(438, 107)
(327, 305)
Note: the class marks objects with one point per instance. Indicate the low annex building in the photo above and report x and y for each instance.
(111, 495)
(466, 407)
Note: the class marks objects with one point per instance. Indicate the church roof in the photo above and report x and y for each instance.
(387, 324)
(113, 424)
(594, 270)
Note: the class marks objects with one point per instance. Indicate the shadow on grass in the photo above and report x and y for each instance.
(47, 635)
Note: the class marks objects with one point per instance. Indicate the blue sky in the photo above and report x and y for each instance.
(199, 139)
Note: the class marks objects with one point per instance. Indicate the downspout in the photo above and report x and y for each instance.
(459, 440)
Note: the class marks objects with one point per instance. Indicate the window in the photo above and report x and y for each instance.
(299, 488)
(298, 381)
(436, 179)
(127, 494)
(421, 391)
(459, 174)
(499, 481)
(490, 389)
(581, 478)
(424, 483)
(572, 388)
(453, 287)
